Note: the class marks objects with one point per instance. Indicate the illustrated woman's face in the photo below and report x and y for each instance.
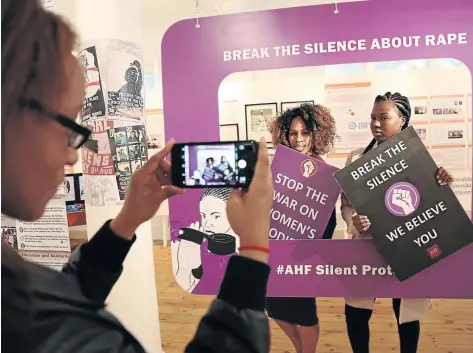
(213, 214)
(299, 136)
(385, 121)
(132, 75)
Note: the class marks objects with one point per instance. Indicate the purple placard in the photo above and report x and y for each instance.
(305, 194)
(194, 67)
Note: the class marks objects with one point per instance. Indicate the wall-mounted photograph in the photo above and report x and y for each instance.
(258, 120)
(229, 132)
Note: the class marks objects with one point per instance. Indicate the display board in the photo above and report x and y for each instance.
(44, 241)
(340, 268)
(412, 217)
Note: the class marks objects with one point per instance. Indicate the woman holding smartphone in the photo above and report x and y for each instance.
(48, 311)
(309, 129)
(391, 114)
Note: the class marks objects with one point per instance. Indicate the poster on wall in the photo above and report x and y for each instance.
(305, 194)
(444, 132)
(96, 156)
(258, 118)
(125, 86)
(412, 216)
(9, 232)
(350, 104)
(94, 103)
(448, 107)
(420, 108)
(129, 152)
(69, 188)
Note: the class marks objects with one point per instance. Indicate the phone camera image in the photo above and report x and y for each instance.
(217, 165)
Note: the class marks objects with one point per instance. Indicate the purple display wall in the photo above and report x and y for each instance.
(194, 67)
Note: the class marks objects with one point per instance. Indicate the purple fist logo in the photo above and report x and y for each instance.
(402, 199)
(308, 168)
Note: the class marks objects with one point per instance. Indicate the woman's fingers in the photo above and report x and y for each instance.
(361, 223)
(444, 177)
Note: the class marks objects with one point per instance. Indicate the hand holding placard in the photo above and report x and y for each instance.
(398, 186)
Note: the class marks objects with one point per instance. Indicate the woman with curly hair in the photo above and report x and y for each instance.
(309, 129)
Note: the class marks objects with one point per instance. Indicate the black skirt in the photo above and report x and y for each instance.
(298, 311)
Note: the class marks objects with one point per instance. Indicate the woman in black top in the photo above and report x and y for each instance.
(47, 311)
(309, 129)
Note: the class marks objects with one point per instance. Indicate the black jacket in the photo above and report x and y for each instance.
(70, 314)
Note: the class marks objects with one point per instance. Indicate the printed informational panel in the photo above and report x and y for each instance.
(412, 217)
(350, 104)
(50, 232)
(54, 261)
(305, 194)
(44, 241)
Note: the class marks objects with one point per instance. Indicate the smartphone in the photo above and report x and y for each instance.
(213, 164)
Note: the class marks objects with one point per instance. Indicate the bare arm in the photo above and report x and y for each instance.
(347, 209)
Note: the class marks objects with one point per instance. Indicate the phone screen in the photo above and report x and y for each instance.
(213, 164)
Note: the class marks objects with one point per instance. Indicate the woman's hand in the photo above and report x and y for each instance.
(444, 177)
(361, 223)
(248, 212)
(149, 187)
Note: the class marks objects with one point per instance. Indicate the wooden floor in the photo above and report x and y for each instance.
(447, 329)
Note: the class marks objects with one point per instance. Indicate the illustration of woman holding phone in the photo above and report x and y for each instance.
(206, 244)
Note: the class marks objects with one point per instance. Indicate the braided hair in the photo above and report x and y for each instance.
(317, 120)
(403, 108)
(219, 193)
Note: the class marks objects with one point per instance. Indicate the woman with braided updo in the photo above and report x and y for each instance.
(309, 129)
(390, 115)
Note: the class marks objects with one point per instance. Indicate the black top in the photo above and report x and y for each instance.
(70, 314)
(331, 225)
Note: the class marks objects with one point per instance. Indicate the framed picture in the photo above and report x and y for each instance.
(290, 105)
(229, 132)
(258, 119)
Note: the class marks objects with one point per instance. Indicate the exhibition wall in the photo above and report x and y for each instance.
(271, 40)
(430, 85)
